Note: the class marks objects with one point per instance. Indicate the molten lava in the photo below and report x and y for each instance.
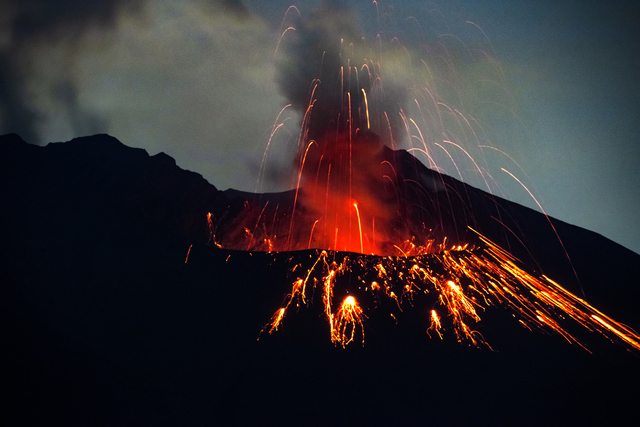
(460, 282)
(386, 232)
(350, 200)
(345, 322)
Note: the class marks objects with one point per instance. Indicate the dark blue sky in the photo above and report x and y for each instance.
(555, 86)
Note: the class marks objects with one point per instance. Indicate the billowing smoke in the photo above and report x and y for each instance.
(33, 23)
(311, 70)
(331, 74)
(30, 27)
(30, 24)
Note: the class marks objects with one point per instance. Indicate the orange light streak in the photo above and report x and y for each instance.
(550, 223)
(457, 282)
(482, 174)
(212, 231)
(347, 318)
(355, 205)
(311, 235)
(274, 130)
(366, 104)
(295, 200)
(276, 320)
(436, 325)
(492, 278)
(281, 36)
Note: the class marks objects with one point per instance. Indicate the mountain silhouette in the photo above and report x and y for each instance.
(106, 320)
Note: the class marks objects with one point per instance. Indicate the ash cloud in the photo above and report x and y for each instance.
(82, 122)
(327, 61)
(331, 73)
(30, 24)
(15, 113)
(29, 27)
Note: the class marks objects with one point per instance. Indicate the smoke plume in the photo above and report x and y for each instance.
(30, 27)
(331, 74)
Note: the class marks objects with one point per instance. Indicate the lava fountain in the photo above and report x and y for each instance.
(388, 233)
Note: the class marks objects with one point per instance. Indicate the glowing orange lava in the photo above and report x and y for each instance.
(345, 322)
(436, 324)
(385, 231)
(464, 282)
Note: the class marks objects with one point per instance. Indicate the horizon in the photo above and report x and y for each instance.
(293, 189)
(154, 74)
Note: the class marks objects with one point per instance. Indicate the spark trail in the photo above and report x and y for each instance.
(460, 283)
(353, 195)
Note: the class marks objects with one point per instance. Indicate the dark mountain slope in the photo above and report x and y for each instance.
(103, 322)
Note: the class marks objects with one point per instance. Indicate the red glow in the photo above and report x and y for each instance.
(353, 196)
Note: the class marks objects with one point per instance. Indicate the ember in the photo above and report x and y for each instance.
(402, 232)
(461, 281)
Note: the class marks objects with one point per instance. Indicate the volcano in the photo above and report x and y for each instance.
(135, 292)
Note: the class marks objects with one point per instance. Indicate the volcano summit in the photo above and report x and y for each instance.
(135, 291)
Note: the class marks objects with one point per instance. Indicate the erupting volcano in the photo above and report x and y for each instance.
(378, 289)
(399, 248)
(109, 273)
(385, 227)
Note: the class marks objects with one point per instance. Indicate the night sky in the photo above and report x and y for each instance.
(549, 91)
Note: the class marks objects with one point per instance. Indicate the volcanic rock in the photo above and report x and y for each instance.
(106, 321)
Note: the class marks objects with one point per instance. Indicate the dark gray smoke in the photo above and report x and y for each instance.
(328, 62)
(82, 122)
(28, 26)
(31, 23)
(15, 113)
